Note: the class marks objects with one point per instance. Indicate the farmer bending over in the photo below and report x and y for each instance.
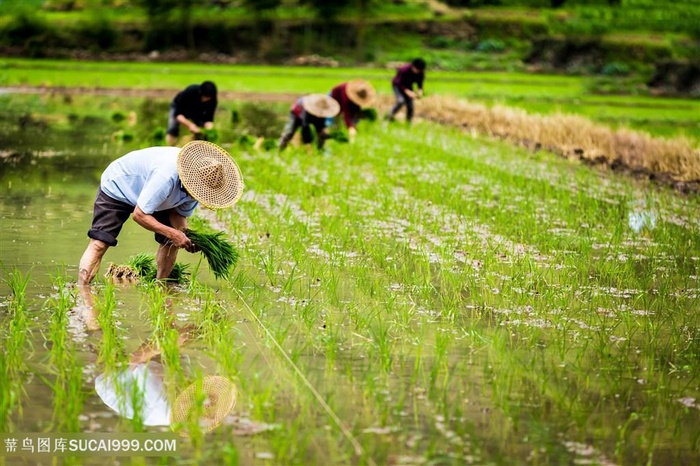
(193, 107)
(308, 111)
(406, 76)
(160, 186)
(353, 96)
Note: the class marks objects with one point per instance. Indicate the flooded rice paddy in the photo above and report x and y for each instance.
(422, 297)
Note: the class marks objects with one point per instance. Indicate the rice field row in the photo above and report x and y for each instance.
(535, 93)
(449, 299)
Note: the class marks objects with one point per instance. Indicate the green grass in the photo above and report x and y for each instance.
(480, 278)
(535, 93)
(450, 299)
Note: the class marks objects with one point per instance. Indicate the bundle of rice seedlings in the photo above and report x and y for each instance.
(339, 135)
(121, 273)
(369, 114)
(144, 265)
(179, 273)
(220, 254)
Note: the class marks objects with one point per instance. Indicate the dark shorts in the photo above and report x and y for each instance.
(173, 124)
(109, 216)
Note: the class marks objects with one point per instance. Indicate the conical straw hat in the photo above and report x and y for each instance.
(361, 92)
(220, 398)
(321, 105)
(209, 174)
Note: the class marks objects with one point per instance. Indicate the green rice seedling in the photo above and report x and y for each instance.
(9, 400)
(180, 273)
(111, 351)
(145, 265)
(158, 135)
(339, 135)
(68, 397)
(67, 386)
(369, 114)
(15, 343)
(211, 135)
(220, 253)
(18, 331)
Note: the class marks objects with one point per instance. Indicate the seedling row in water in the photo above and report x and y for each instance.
(451, 298)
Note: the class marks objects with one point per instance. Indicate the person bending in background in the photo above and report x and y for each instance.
(309, 111)
(193, 107)
(353, 96)
(406, 76)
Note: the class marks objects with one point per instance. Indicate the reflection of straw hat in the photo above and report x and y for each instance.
(321, 105)
(209, 174)
(361, 92)
(206, 404)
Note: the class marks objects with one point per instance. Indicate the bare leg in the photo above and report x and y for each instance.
(89, 265)
(91, 260)
(86, 307)
(165, 260)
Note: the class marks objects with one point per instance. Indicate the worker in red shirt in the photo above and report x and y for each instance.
(353, 96)
(406, 76)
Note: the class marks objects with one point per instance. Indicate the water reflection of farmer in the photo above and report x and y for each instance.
(138, 390)
(161, 187)
(353, 96)
(193, 107)
(406, 76)
(307, 112)
(143, 377)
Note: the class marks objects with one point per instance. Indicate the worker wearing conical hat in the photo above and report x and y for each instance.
(160, 187)
(353, 96)
(309, 111)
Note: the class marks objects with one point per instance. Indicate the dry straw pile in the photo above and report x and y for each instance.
(571, 136)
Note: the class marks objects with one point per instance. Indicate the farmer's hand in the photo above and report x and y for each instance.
(419, 94)
(352, 132)
(410, 93)
(180, 240)
(195, 129)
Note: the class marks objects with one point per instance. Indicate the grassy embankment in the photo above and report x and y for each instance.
(452, 299)
(622, 40)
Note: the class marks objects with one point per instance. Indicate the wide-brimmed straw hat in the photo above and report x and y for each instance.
(321, 105)
(361, 92)
(206, 404)
(209, 174)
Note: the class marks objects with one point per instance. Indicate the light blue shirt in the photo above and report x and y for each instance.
(148, 178)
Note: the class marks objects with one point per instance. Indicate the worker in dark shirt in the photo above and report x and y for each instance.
(406, 76)
(353, 96)
(308, 111)
(193, 107)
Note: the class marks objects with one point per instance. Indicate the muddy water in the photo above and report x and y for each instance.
(48, 176)
(48, 181)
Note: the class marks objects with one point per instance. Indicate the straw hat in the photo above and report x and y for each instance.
(321, 105)
(209, 174)
(218, 397)
(361, 92)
